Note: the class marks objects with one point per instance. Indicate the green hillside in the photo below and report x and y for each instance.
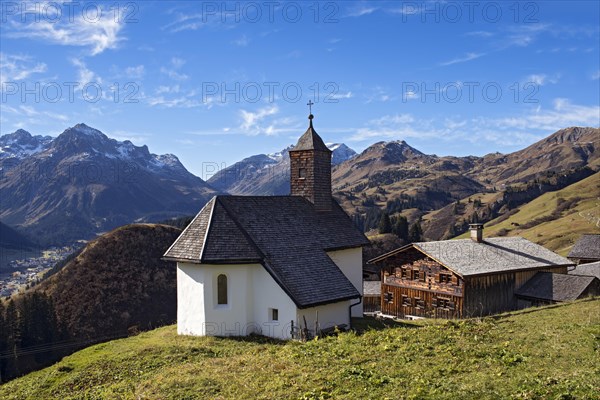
(555, 219)
(545, 353)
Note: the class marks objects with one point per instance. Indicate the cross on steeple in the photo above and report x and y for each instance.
(310, 104)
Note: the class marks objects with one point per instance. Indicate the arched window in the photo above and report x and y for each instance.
(221, 289)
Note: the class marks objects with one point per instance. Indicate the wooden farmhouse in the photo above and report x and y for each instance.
(280, 266)
(461, 278)
(586, 249)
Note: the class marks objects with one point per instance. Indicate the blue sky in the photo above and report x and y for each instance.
(214, 82)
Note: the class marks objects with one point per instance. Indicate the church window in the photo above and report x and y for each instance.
(302, 173)
(222, 289)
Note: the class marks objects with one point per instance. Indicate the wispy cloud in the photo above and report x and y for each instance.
(380, 94)
(465, 58)
(596, 75)
(523, 35)
(512, 130)
(542, 79)
(97, 35)
(27, 111)
(359, 11)
(136, 72)
(251, 121)
(15, 67)
(172, 71)
(84, 74)
(339, 96)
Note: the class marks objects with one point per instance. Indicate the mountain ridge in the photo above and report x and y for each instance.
(83, 182)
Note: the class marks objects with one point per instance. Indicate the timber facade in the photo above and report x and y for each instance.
(452, 284)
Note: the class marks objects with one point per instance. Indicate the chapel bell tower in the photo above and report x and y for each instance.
(310, 163)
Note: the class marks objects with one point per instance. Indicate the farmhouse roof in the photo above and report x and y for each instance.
(555, 287)
(587, 247)
(371, 288)
(589, 269)
(493, 255)
(283, 233)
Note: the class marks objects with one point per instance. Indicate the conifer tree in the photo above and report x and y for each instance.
(385, 225)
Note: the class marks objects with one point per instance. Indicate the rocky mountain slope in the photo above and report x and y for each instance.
(565, 149)
(83, 182)
(267, 174)
(393, 176)
(556, 219)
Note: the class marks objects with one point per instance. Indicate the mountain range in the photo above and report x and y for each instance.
(267, 174)
(396, 172)
(82, 182)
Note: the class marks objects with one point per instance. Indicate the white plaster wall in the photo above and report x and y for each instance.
(328, 315)
(349, 261)
(267, 295)
(229, 319)
(251, 293)
(190, 299)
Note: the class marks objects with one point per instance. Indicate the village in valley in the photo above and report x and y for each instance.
(21, 273)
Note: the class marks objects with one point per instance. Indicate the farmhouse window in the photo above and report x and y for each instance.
(388, 297)
(416, 275)
(274, 314)
(222, 289)
(406, 301)
(404, 273)
(445, 278)
(444, 303)
(302, 173)
(420, 303)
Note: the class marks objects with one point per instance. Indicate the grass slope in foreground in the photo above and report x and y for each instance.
(545, 353)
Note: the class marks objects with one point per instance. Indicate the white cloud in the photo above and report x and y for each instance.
(18, 67)
(27, 111)
(465, 58)
(136, 72)
(360, 11)
(85, 75)
(97, 34)
(524, 34)
(185, 101)
(379, 93)
(338, 96)
(173, 71)
(542, 79)
(251, 120)
(511, 130)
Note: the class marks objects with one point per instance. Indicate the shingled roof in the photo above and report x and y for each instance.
(588, 269)
(310, 140)
(555, 287)
(283, 233)
(467, 257)
(586, 248)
